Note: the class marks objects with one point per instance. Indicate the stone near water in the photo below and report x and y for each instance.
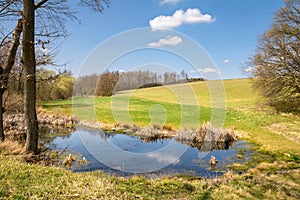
(213, 161)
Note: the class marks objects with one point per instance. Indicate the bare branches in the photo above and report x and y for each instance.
(9, 9)
(2, 43)
(95, 5)
(51, 16)
(9, 63)
(39, 4)
(277, 60)
(51, 19)
(5, 6)
(45, 21)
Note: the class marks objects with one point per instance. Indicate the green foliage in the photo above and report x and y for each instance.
(51, 86)
(149, 85)
(63, 87)
(44, 84)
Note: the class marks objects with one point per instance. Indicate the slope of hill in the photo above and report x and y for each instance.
(189, 105)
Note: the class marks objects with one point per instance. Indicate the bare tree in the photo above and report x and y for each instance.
(86, 85)
(9, 10)
(276, 64)
(50, 21)
(106, 84)
(6, 68)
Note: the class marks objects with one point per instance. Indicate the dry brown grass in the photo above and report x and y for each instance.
(167, 127)
(290, 131)
(11, 148)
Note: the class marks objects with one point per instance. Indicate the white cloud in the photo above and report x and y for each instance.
(191, 16)
(205, 70)
(250, 69)
(163, 158)
(167, 41)
(169, 1)
(226, 61)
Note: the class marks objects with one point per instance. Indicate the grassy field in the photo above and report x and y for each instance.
(274, 174)
(268, 180)
(189, 105)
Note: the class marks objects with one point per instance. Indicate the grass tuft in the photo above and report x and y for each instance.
(12, 148)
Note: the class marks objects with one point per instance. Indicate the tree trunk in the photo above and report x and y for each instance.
(28, 59)
(5, 71)
(9, 63)
(2, 136)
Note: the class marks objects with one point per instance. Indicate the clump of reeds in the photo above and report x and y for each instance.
(207, 133)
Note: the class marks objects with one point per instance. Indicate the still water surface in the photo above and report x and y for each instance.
(122, 154)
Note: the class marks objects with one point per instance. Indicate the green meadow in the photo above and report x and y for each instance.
(20, 180)
(273, 174)
(228, 103)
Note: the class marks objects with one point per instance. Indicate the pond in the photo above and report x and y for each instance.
(125, 155)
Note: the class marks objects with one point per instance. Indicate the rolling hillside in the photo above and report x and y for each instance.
(188, 106)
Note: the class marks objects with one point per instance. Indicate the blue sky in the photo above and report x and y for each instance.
(226, 29)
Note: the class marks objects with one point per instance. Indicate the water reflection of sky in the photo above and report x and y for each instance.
(135, 145)
(131, 154)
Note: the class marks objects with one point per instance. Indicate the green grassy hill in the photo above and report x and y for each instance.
(274, 174)
(171, 98)
(189, 105)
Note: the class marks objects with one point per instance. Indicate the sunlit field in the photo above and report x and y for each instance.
(276, 134)
(188, 105)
